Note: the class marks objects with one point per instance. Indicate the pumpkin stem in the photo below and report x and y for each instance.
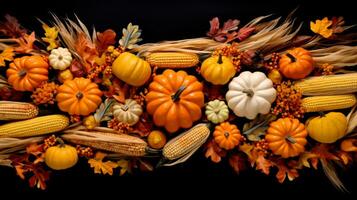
(125, 108)
(226, 134)
(290, 139)
(249, 92)
(220, 61)
(292, 58)
(60, 141)
(22, 73)
(177, 94)
(79, 95)
(322, 114)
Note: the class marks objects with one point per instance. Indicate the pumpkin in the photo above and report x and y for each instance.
(129, 112)
(227, 135)
(27, 73)
(250, 94)
(175, 100)
(131, 69)
(156, 139)
(65, 75)
(349, 145)
(286, 137)
(78, 96)
(60, 58)
(297, 63)
(217, 111)
(61, 157)
(217, 70)
(327, 128)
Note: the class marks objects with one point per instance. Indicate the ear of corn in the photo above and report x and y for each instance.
(123, 144)
(328, 85)
(186, 142)
(325, 103)
(172, 59)
(34, 127)
(11, 110)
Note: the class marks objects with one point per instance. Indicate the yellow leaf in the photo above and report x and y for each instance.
(123, 164)
(7, 55)
(321, 27)
(305, 157)
(100, 60)
(51, 35)
(247, 149)
(101, 167)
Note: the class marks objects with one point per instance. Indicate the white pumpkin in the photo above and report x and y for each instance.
(217, 111)
(60, 58)
(129, 112)
(250, 94)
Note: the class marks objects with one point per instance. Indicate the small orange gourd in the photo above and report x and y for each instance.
(227, 135)
(297, 63)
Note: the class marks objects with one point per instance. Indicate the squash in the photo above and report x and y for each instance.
(297, 63)
(129, 112)
(286, 137)
(131, 69)
(175, 100)
(227, 135)
(78, 96)
(27, 73)
(65, 75)
(349, 145)
(61, 157)
(60, 58)
(217, 111)
(156, 139)
(275, 76)
(250, 94)
(218, 70)
(327, 128)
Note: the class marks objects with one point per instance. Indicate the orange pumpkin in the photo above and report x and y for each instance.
(27, 73)
(79, 96)
(175, 100)
(227, 135)
(286, 137)
(296, 63)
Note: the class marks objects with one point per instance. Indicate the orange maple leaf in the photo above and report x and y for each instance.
(237, 162)
(86, 50)
(214, 152)
(284, 171)
(7, 55)
(101, 167)
(25, 43)
(263, 164)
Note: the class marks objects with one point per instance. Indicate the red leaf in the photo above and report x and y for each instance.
(237, 162)
(214, 92)
(214, 23)
(104, 40)
(226, 33)
(11, 27)
(244, 33)
(230, 25)
(144, 126)
(39, 178)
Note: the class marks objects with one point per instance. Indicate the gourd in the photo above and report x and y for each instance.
(60, 58)
(297, 63)
(129, 112)
(61, 157)
(217, 111)
(227, 135)
(218, 70)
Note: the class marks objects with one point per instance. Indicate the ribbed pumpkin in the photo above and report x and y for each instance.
(327, 128)
(175, 100)
(218, 70)
(129, 112)
(297, 63)
(286, 137)
(78, 96)
(61, 157)
(227, 135)
(217, 111)
(131, 69)
(27, 73)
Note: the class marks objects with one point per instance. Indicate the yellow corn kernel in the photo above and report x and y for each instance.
(325, 103)
(172, 59)
(11, 110)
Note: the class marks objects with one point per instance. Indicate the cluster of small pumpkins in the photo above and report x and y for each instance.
(175, 98)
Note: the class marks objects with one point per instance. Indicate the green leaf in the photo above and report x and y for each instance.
(103, 112)
(131, 36)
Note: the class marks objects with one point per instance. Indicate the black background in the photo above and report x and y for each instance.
(167, 20)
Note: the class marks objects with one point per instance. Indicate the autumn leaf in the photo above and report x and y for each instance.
(225, 34)
(237, 162)
(51, 34)
(86, 50)
(263, 164)
(11, 27)
(214, 27)
(284, 171)
(131, 36)
(37, 151)
(144, 126)
(123, 164)
(39, 178)
(248, 149)
(322, 27)
(145, 166)
(104, 40)
(244, 33)
(101, 167)
(214, 92)
(305, 158)
(7, 55)
(214, 152)
(25, 43)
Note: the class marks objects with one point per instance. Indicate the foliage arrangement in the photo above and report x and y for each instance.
(259, 95)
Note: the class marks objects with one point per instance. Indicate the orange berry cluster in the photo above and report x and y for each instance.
(45, 93)
(262, 146)
(325, 69)
(139, 98)
(288, 101)
(121, 127)
(84, 151)
(273, 62)
(75, 118)
(232, 52)
(94, 73)
(49, 142)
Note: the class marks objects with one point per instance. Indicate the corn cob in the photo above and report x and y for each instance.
(328, 85)
(324, 103)
(172, 59)
(186, 143)
(11, 110)
(36, 126)
(123, 144)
